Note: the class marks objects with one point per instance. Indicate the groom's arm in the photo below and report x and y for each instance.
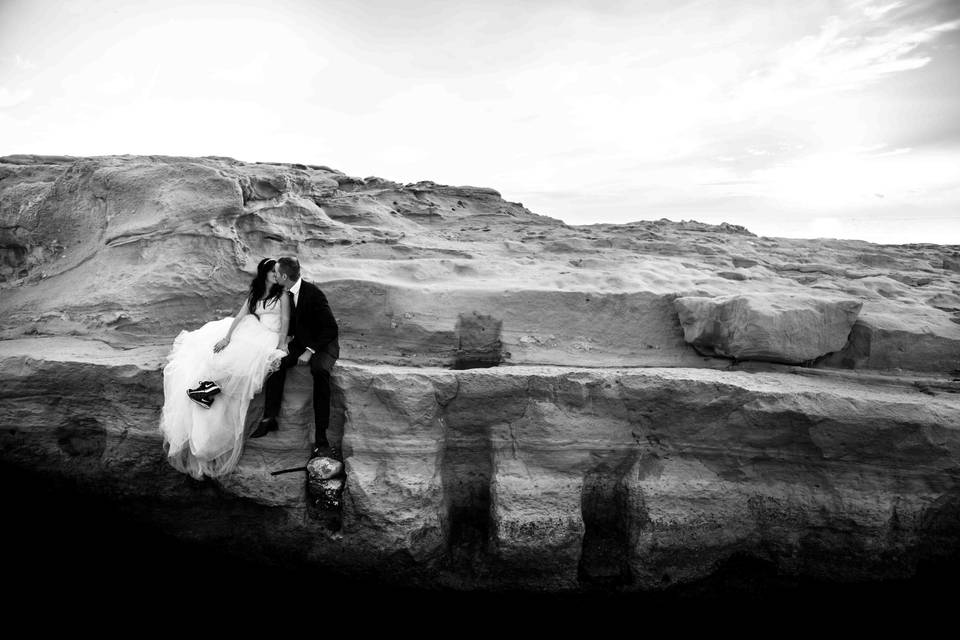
(323, 326)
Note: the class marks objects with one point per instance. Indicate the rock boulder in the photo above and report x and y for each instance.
(771, 328)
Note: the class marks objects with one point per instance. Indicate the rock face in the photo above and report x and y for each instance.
(639, 478)
(532, 477)
(519, 403)
(771, 328)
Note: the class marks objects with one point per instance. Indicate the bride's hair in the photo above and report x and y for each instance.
(259, 286)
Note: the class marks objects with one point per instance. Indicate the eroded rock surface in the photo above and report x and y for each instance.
(536, 477)
(517, 402)
(771, 328)
(130, 250)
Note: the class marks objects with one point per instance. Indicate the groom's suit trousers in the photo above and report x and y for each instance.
(320, 366)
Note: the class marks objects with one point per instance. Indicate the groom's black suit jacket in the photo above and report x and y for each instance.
(312, 325)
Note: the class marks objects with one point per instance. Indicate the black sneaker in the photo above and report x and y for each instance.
(211, 387)
(200, 397)
(208, 387)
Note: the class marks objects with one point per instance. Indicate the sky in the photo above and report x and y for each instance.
(821, 118)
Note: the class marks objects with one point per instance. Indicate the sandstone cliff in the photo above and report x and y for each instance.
(520, 403)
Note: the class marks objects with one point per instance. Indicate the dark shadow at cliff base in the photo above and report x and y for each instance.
(465, 473)
(604, 557)
(75, 552)
(744, 579)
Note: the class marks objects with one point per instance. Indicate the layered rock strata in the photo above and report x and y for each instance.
(535, 477)
(519, 402)
(130, 250)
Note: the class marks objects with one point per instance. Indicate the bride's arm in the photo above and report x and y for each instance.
(220, 346)
(284, 321)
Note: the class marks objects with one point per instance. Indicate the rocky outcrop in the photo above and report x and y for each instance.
(534, 477)
(885, 344)
(130, 250)
(771, 328)
(518, 403)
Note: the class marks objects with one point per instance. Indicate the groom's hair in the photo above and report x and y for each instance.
(290, 267)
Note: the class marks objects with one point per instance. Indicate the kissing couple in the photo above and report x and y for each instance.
(212, 373)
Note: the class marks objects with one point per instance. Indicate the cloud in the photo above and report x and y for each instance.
(18, 62)
(845, 55)
(12, 97)
(874, 11)
(683, 107)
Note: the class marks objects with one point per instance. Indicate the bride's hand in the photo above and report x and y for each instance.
(220, 346)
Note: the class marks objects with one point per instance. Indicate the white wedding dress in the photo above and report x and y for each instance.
(208, 442)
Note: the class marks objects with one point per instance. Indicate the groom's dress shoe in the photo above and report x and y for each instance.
(325, 450)
(266, 426)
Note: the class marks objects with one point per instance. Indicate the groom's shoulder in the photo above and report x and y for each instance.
(314, 289)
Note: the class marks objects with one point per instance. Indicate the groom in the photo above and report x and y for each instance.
(314, 332)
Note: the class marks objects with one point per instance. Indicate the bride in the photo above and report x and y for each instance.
(227, 361)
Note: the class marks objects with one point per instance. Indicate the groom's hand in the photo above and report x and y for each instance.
(305, 357)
